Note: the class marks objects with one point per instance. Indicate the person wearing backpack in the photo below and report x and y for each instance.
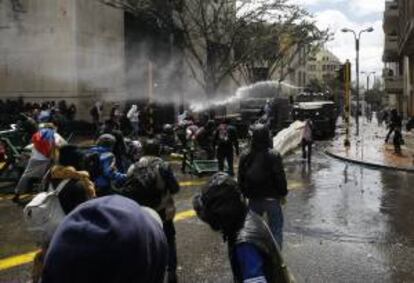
(100, 162)
(46, 141)
(253, 252)
(262, 180)
(225, 139)
(152, 183)
(72, 186)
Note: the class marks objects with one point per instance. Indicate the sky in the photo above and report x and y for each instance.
(356, 15)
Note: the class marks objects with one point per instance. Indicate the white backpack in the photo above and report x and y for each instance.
(44, 213)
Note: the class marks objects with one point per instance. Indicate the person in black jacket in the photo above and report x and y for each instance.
(161, 197)
(395, 123)
(225, 138)
(253, 252)
(262, 180)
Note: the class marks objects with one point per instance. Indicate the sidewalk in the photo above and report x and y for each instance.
(369, 148)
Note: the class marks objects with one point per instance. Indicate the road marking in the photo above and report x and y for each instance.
(184, 215)
(18, 260)
(192, 183)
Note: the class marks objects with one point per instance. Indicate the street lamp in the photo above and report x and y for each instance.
(357, 40)
(368, 74)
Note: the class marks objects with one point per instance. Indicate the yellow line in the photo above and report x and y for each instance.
(15, 261)
(18, 260)
(184, 215)
(192, 183)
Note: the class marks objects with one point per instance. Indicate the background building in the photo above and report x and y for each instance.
(56, 49)
(399, 54)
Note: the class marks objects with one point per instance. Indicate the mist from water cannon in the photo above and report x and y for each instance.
(252, 90)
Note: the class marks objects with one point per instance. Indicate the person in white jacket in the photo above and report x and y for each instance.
(133, 117)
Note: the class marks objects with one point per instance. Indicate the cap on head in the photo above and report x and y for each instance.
(109, 239)
(260, 137)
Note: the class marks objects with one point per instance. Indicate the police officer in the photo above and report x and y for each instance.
(225, 139)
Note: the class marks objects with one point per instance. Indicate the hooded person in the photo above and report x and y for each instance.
(77, 188)
(101, 165)
(262, 179)
(151, 182)
(109, 239)
(253, 252)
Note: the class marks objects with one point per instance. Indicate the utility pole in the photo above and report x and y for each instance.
(347, 81)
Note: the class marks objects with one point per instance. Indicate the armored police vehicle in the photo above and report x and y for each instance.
(320, 109)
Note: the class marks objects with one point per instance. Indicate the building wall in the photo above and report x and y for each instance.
(61, 49)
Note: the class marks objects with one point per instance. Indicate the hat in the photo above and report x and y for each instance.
(109, 239)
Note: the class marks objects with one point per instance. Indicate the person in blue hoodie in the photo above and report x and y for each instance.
(100, 163)
(109, 239)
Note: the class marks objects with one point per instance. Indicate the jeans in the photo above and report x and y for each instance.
(169, 231)
(307, 149)
(228, 156)
(135, 129)
(271, 210)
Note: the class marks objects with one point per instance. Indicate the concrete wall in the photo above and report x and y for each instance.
(62, 49)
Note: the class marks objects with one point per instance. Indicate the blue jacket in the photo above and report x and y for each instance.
(108, 173)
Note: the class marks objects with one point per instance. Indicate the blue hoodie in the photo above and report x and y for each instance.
(108, 239)
(109, 174)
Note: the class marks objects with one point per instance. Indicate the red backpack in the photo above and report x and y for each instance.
(44, 141)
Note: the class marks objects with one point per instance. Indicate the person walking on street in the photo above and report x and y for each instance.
(151, 182)
(133, 117)
(253, 252)
(307, 140)
(96, 114)
(395, 122)
(225, 139)
(46, 143)
(262, 180)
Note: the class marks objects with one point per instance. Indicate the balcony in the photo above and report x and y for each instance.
(391, 51)
(394, 84)
(391, 16)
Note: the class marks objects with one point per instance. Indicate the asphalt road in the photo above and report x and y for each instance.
(343, 223)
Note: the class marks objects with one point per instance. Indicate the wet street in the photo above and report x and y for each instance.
(343, 223)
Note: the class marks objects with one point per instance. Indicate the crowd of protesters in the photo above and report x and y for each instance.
(123, 186)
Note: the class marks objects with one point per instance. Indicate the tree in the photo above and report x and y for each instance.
(274, 46)
(215, 34)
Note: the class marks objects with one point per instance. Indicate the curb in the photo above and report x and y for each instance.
(369, 164)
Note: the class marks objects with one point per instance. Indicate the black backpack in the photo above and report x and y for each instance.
(145, 184)
(92, 164)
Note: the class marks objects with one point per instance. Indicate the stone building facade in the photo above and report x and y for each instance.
(62, 49)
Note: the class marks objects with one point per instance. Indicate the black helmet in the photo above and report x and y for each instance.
(106, 140)
(152, 147)
(221, 204)
(260, 137)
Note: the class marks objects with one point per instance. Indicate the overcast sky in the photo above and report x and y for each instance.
(357, 15)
